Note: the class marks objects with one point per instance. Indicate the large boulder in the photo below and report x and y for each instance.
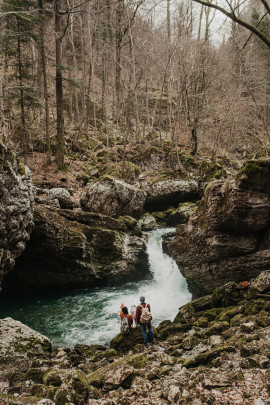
(227, 238)
(16, 214)
(166, 193)
(113, 197)
(69, 249)
(19, 346)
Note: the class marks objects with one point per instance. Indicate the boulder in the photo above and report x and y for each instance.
(19, 346)
(64, 252)
(16, 209)
(165, 193)
(147, 223)
(113, 197)
(63, 197)
(227, 237)
(262, 282)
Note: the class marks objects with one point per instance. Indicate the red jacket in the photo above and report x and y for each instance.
(139, 311)
(129, 317)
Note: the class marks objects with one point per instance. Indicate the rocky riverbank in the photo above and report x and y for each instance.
(216, 351)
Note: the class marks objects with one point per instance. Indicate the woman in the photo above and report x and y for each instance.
(126, 320)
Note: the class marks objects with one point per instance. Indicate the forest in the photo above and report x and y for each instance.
(192, 75)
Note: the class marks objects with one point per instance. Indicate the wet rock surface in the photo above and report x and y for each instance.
(77, 249)
(216, 351)
(227, 238)
(16, 209)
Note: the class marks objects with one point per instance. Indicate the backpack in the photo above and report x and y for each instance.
(124, 328)
(146, 316)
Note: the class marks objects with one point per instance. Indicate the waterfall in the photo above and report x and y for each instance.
(92, 316)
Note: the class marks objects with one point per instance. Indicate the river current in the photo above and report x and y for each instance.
(91, 316)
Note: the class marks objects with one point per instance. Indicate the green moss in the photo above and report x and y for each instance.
(228, 314)
(39, 390)
(35, 374)
(79, 387)
(138, 361)
(217, 328)
(109, 355)
(53, 377)
(251, 167)
(88, 350)
(31, 345)
(106, 177)
(83, 178)
(21, 169)
(201, 322)
(62, 396)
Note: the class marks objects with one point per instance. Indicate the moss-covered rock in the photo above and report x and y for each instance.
(123, 343)
(54, 377)
(78, 387)
(206, 357)
(217, 328)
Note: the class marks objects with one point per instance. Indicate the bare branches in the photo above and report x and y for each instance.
(231, 14)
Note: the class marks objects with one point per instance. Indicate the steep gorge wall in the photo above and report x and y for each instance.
(228, 237)
(16, 209)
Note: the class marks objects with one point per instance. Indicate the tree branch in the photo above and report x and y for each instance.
(266, 5)
(238, 20)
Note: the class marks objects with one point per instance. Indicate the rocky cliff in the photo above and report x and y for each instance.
(228, 236)
(70, 249)
(216, 351)
(16, 214)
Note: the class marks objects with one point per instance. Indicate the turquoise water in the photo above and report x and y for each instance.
(92, 316)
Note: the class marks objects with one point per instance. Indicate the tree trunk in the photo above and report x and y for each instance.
(45, 84)
(59, 90)
(3, 126)
(24, 140)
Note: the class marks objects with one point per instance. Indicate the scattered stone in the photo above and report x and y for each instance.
(247, 327)
(63, 197)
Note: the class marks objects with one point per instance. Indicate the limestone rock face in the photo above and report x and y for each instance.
(16, 216)
(169, 192)
(227, 238)
(113, 198)
(69, 249)
(19, 345)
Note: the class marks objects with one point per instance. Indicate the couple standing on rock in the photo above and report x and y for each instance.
(142, 317)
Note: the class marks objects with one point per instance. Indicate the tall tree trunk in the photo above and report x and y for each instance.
(3, 125)
(24, 139)
(118, 45)
(59, 90)
(45, 83)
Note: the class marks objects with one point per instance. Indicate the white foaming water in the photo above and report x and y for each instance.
(92, 316)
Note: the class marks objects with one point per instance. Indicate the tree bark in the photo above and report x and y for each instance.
(45, 83)
(59, 90)
(3, 125)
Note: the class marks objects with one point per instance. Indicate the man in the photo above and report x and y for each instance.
(144, 325)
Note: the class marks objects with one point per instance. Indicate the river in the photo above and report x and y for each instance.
(91, 316)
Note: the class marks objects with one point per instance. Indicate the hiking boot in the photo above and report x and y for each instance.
(146, 345)
(153, 342)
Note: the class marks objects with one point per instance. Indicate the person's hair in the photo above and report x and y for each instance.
(125, 310)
